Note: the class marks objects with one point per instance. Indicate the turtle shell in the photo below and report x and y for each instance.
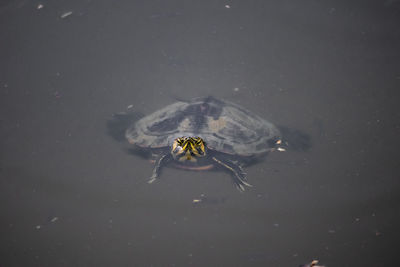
(224, 126)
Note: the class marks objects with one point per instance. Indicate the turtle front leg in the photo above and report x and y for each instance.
(161, 159)
(238, 175)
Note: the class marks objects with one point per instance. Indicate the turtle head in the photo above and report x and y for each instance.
(188, 148)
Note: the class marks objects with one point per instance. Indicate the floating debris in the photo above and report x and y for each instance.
(130, 106)
(54, 219)
(209, 200)
(279, 142)
(38, 226)
(227, 6)
(66, 14)
(40, 6)
(312, 264)
(236, 89)
(198, 200)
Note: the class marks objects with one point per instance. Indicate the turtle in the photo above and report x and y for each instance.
(204, 133)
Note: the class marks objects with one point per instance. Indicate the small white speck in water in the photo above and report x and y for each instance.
(66, 14)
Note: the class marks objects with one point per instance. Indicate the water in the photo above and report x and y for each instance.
(71, 196)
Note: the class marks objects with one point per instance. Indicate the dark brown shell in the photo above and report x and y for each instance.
(224, 126)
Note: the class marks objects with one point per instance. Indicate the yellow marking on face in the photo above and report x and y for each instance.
(188, 148)
(188, 156)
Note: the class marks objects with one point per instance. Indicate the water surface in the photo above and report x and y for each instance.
(71, 196)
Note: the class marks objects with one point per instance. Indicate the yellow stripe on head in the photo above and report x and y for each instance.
(188, 148)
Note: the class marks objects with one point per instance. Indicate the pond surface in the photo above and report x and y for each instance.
(72, 196)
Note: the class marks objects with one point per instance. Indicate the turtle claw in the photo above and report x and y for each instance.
(240, 183)
(238, 175)
(156, 170)
(162, 159)
(151, 180)
(240, 188)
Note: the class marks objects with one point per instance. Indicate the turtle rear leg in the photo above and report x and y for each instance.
(160, 161)
(236, 170)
